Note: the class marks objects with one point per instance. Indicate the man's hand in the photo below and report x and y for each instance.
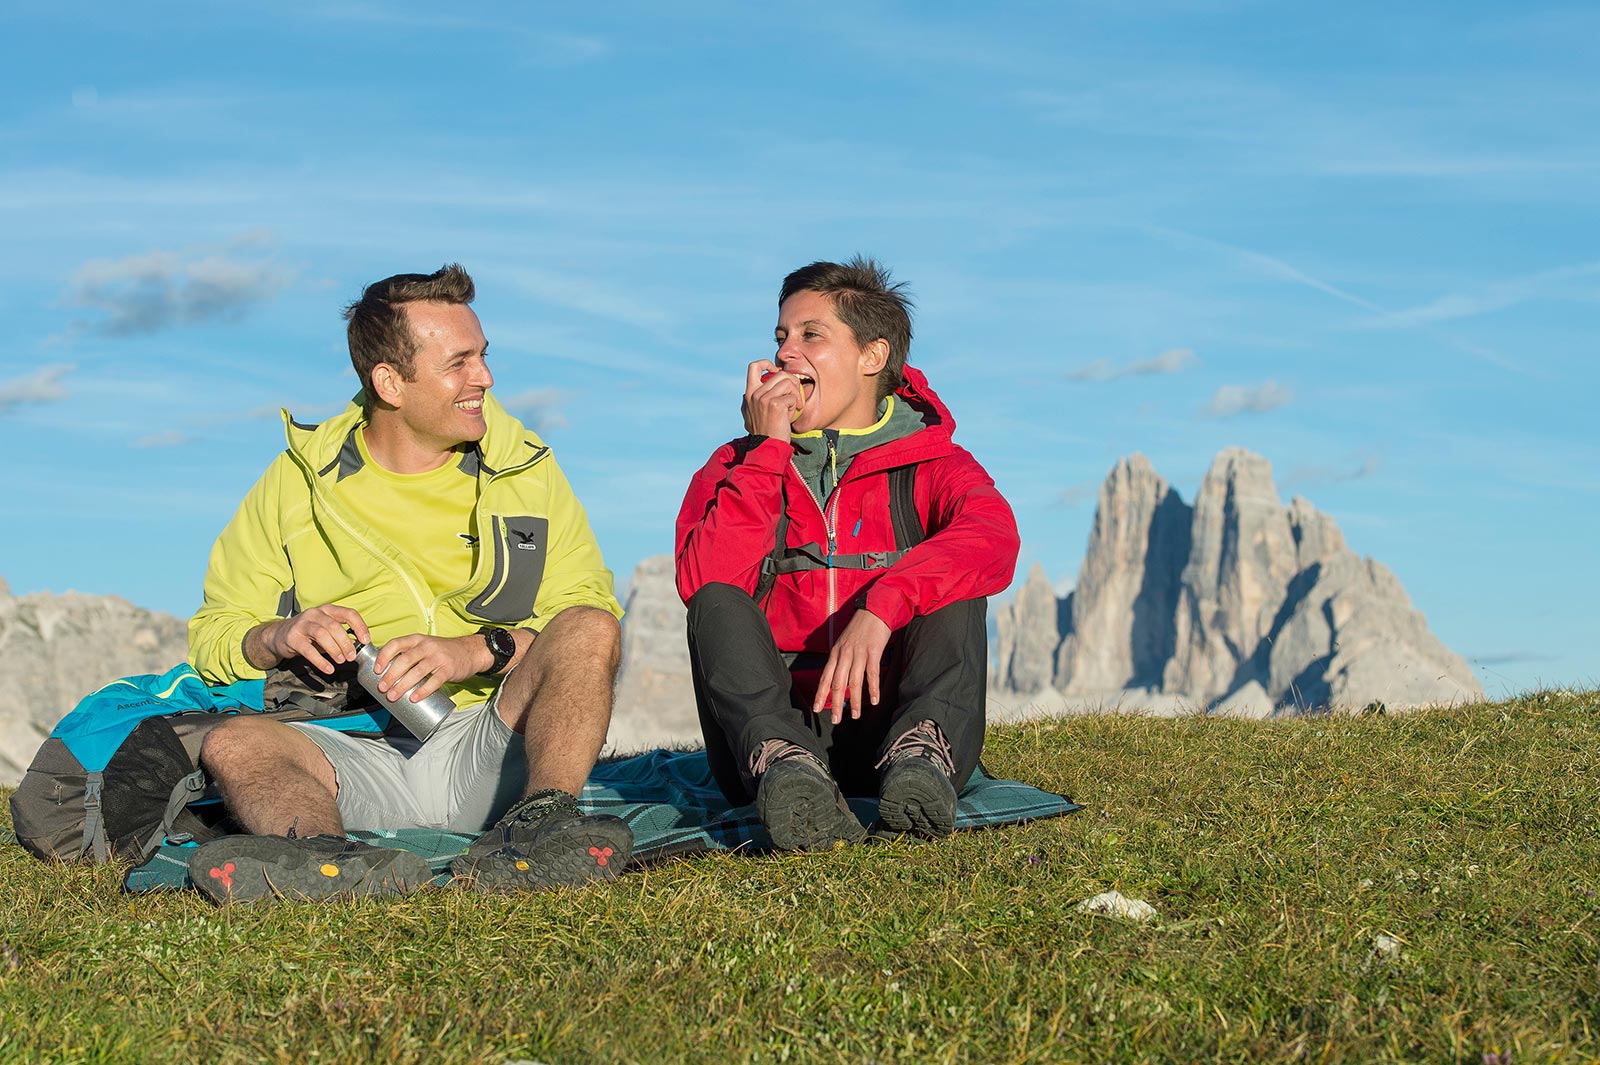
(428, 663)
(853, 666)
(770, 405)
(320, 635)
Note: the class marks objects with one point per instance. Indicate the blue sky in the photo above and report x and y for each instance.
(1360, 239)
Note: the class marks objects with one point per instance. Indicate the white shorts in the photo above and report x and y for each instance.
(469, 772)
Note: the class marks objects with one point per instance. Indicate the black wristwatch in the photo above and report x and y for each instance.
(502, 646)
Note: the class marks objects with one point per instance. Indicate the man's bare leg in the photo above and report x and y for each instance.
(272, 778)
(559, 697)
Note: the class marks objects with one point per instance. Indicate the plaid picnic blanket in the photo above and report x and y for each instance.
(673, 806)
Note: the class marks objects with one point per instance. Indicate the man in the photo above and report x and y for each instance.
(835, 563)
(427, 520)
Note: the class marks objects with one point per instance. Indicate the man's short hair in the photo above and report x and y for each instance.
(378, 329)
(866, 301)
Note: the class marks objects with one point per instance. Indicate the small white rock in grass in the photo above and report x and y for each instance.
(1115, 904)
(1385, 946)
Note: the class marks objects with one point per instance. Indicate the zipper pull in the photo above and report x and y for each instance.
(831, 436)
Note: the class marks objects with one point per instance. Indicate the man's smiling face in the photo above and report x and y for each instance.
(835, 372)
(442, 406)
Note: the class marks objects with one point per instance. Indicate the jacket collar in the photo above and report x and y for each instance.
(931, 441)
(330, 447)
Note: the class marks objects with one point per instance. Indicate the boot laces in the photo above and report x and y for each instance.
(772, 751)
(924, 740)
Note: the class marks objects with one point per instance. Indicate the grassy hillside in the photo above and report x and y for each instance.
(1403, 887)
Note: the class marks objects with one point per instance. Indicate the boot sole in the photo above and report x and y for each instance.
(918, 799)
(804, 811)
(573, 855)
(257, 868)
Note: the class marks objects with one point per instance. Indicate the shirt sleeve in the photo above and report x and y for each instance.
(248, 581)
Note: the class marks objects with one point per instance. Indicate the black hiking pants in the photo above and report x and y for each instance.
(747, 692)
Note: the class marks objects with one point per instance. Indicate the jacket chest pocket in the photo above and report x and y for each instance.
(519, 545)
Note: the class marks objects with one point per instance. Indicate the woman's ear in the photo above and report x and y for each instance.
(874, 357)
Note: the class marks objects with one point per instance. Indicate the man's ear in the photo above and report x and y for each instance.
(386, 382)
(874, 357)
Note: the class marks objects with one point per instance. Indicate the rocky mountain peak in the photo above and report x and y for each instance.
(1237, 601)
(1027, 652)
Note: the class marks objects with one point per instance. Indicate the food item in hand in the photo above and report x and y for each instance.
(798, 410)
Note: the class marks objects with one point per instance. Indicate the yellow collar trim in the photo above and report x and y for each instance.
(888, 409)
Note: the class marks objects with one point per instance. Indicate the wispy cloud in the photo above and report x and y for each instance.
(41, 386)
(1366, 466)
(1443, 309)
(1074, 495)
(170, 438)
(539, 407)
(1174, 360)
(1567, 282)
(162, 289)
(1269, 265)
(609, 302)
(1508, 658)
(1230, 400)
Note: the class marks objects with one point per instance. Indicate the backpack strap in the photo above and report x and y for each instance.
(187, 790)
(94, 825)
(908, 530)
(903, 517)
(770, 565)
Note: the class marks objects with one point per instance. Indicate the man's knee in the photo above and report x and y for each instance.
(585, 631)
(243, 744)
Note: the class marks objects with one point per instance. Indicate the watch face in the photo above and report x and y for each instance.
(500, 642)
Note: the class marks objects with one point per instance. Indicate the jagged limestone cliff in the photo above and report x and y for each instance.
(1237, 603)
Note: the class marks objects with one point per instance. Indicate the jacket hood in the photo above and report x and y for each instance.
(931, 441)
(331, 444)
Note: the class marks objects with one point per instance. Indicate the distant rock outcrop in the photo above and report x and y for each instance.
(1237, 604)
(1028, 628)
(55, 649)
(655, 693)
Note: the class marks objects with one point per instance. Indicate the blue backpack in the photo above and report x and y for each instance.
(120, 774)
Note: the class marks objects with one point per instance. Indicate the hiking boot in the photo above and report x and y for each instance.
(918, 794)
(251, 868)
(546, 841)
(799, 803)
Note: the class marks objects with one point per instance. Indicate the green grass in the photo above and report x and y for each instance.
(1275, 852)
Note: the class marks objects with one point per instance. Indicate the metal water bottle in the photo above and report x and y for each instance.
(419, 718)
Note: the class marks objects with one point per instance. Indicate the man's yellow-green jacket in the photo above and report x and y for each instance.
(291, 545)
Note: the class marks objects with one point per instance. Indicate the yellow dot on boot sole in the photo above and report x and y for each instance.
(330, 870)
(522, 866)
